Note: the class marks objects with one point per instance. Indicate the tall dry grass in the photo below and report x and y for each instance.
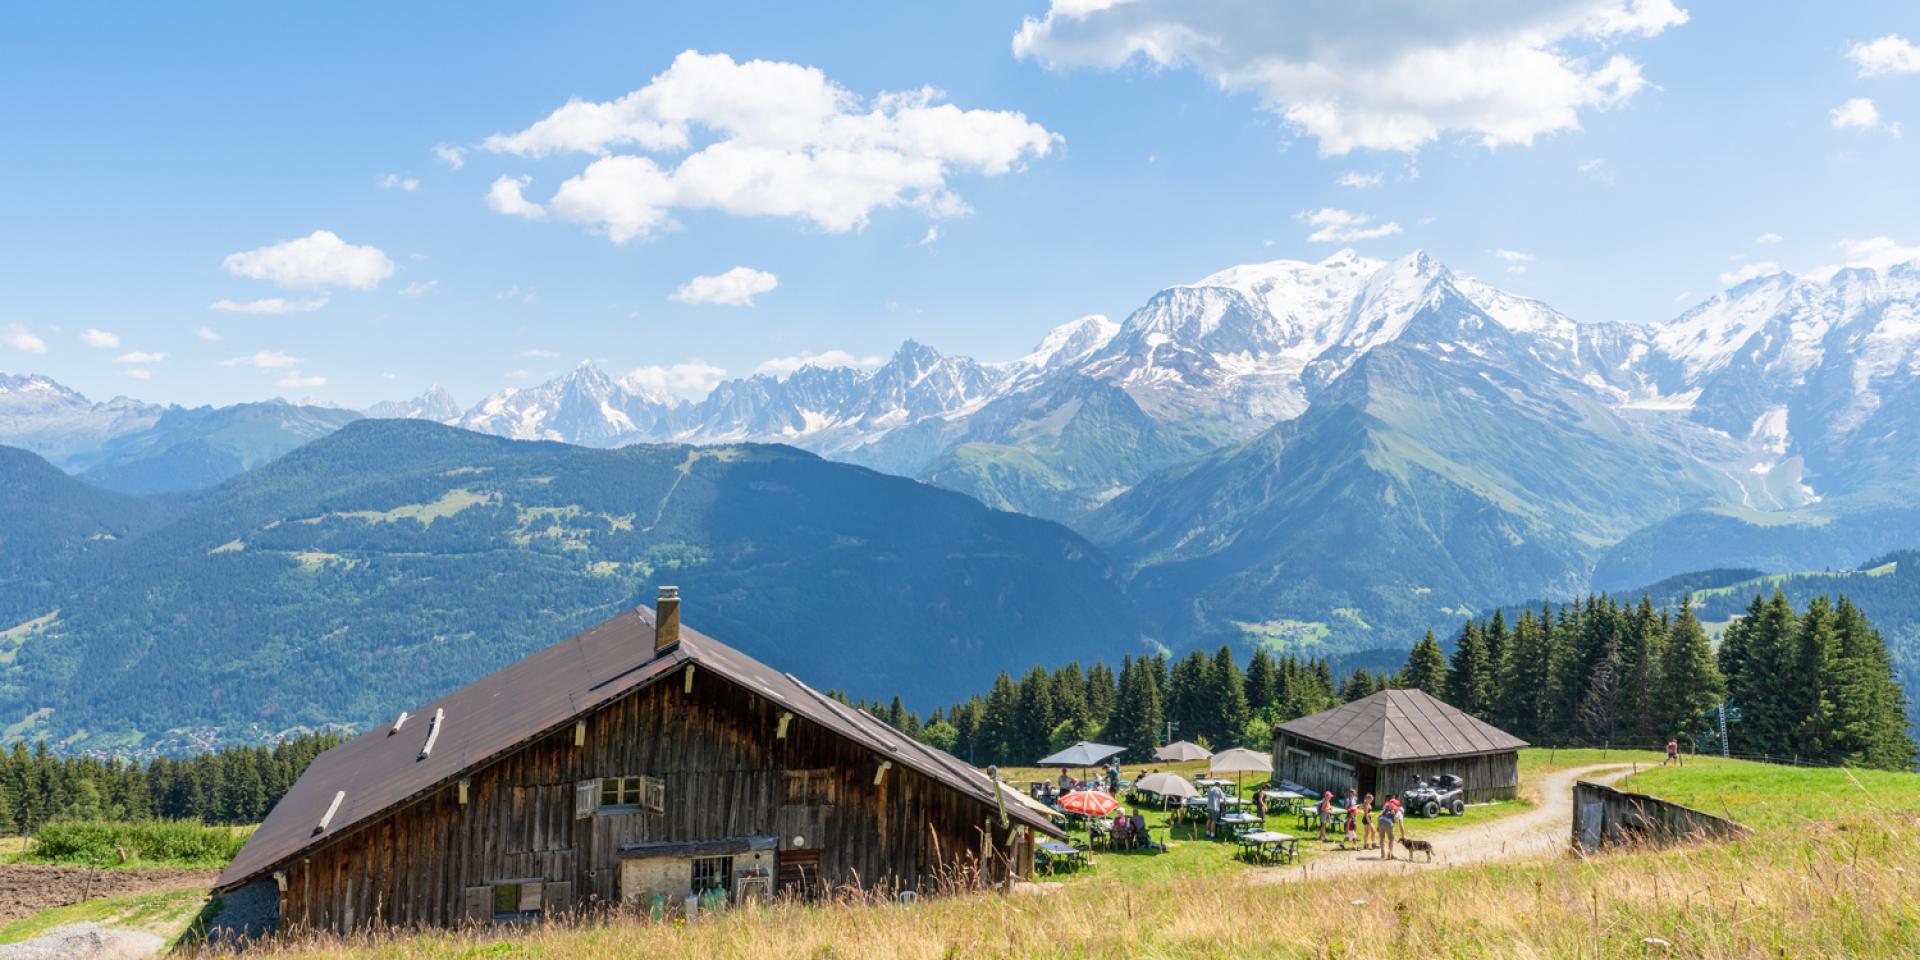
(1840, 890)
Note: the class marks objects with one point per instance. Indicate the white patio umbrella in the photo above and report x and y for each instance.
(1240, 760)
(1168, 785)
(1182, 750)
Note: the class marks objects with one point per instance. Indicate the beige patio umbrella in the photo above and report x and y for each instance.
(1240, 760)
(1182, 750)
(1168, 785)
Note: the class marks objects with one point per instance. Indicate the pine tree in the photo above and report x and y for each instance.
(1228, 716)
(1470, 673)
(1426, 668)
(1869, 721)
(1690, 683)
(999, 730)
(1187, 697)
(1102, 690)
(1136, 719)
(7, 826)
(1034, 718)
(1600, 706)
(1263, 681)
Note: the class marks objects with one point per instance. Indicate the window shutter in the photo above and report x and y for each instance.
(557, 898)
(586, 798)
(655, 794)
(530, 896)
(479, 901)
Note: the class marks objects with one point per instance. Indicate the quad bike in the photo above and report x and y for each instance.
(1429, 797)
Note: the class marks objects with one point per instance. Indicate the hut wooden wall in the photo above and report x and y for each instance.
(724, 773)
(1488, 777)
(1494, 776)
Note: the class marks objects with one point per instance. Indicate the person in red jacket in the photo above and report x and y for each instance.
(1389, 825)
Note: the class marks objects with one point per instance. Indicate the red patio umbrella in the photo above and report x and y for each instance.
(1088, 803)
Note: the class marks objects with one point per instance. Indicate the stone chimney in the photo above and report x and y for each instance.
(666, 620)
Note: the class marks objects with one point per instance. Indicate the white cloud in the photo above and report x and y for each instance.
(295, 378)
(772, 139)
(520, 374)
(932, 234)
(140, 357)
(1878, 253)
(1358, 180)
(17, 337)
(505, 197)
(693, 376)
(264, 360)
(514, 292)
(394, 181)
(1376, 76)
(455, 157)
(100, 339)
(1768, 238)
(1889, 54)
(1597, 170)
(272, 306)
(1683, 296)
(540, 354)
(735, 288)
(1341, 226)
(140, 373)
(419, 288)
(207, 333)
(783, 366)
(320, 259)
(1733, 278)
(1512, 256)
(1860, 112)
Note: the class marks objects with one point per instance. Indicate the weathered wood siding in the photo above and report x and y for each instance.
(1605, 817)
(1488, 777)
(724, 773)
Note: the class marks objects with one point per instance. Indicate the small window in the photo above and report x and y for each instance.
(519, 898)
(809, 788)
(712, 873)
(633, 795)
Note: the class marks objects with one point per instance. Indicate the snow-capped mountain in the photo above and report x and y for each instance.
(56, 422)
(436, 404)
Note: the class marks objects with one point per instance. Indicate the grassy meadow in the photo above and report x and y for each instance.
(117, 844)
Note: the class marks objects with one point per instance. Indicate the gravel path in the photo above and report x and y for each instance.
(1543, 830)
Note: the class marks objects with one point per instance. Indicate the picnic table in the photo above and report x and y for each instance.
(1268, 846)
(1213, 782)
(1238, 822)
(1058, 853)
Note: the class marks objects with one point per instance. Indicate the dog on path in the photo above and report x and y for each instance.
(1418, 846)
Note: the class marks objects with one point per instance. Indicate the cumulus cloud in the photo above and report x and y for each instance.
(264, 360)
(452, 156)
(1597, 170)
(394, 181)
(1377, 76)
(735, 288)
(100, 339)
(1332, 225)
(1734, 278)
(768, 138)
(538, 353)
(1878, 253)
(932, 235)
(1892, 53)
(140, 373)
(17, 337)
(418, 289)
(505, 197)
(295, 378)
(1516, 260)
(272, 306)
(1861, 113)
(207, 333)
(1768, 237)
(1358, 180)
(783, 366)
(320, 259)
(693, 376)
(140, 358)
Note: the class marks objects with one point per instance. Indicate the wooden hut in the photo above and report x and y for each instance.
(632, 764)
(1378, 744)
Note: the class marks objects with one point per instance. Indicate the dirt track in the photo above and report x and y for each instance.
(1543, 830)
(27, 889)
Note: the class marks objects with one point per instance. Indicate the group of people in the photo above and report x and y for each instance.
(1108, 779)
(1360, 820)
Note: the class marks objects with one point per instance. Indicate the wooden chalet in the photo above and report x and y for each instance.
(1378, 744)
(635, 763)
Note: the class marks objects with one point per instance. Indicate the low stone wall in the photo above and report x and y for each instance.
(1604, 817)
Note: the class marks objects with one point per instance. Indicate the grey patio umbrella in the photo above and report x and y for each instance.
(1240, 760)
(1180, 750)
(1082, 754)
(1168, 785)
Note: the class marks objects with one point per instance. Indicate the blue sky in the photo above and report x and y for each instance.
(156, 156)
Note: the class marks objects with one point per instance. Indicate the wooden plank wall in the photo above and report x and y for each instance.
(724, 772)
(1488, 778)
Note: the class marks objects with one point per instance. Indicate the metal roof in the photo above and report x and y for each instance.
(1396, 725)
(388, 765)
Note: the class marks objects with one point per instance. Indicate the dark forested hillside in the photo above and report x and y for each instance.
(47, 517)
(393, 560)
